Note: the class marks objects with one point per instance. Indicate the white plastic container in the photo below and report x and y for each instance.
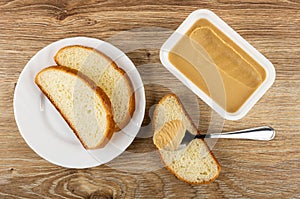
(235, 37)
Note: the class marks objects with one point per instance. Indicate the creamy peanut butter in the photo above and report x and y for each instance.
(217, 65)
(170, 135)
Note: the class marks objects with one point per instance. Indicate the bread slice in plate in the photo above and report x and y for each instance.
(106, 74)
(194, 164)
(84, 106)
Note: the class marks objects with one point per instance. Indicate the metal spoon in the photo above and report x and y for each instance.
(258, 133)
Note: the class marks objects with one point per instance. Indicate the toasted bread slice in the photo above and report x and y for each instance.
(106, 74)
(84, 106)
(194, 164)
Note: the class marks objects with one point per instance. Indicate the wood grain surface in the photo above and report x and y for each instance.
(250, 169)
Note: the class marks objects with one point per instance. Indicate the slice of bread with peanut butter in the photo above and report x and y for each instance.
(194, 164)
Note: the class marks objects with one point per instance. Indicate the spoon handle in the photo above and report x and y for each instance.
(258, 133)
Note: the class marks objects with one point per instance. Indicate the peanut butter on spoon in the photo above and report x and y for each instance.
(169, 136)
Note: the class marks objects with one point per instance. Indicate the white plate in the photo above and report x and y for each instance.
(242, 43)
(46, 132)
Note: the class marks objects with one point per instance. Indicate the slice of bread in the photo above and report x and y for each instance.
(194, 164)
(106, 74)
(84, 106)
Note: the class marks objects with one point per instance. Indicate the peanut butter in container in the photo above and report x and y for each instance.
(217, 64)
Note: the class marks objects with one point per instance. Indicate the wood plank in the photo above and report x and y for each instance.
(249, 169)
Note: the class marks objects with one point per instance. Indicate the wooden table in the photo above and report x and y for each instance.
(250, 169)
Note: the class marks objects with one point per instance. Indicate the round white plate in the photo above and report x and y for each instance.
(46, 132)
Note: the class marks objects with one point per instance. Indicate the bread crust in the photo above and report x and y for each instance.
(131, 110)
(168, 167)
(131, 100)
(101, 94)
